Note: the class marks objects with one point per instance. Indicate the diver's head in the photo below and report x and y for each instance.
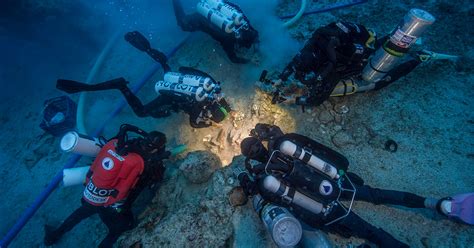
(253, 148)
(219, 110)
(248, 37)
(153, 142)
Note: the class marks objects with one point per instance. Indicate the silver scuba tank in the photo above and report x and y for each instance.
(390, 54)
(80, 144)
(227, 10)
(175, 77)
(291, 149)
(274, 185)
(285, 229)
(215, 17)
(195, 92)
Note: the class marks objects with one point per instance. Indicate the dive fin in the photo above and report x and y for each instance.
(70, 86)
(137, 40)
(192, 71)
(462, 208)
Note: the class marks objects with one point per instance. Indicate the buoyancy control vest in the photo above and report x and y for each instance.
(112, 176)
(313, 184)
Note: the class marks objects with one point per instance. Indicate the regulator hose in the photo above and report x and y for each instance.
(297, 16)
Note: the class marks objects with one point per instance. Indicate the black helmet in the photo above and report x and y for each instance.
(253, 148)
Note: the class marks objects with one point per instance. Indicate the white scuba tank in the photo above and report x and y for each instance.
(80, 144)
(195, 92)
(228, 11)
(285, 229)
(75, 176)
(274, 185)
(215, 17)
(291, 149)
(175, 77)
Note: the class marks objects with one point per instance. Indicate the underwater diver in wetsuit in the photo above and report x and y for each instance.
(203, 106)
(122, 169)
(310, 179)
(332, 60)
(223, 21)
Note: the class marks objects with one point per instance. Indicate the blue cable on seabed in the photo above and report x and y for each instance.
(8, 238)
(329, 8)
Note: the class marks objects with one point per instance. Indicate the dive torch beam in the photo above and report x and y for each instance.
(389, 55)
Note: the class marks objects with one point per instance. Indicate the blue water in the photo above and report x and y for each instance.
(429, 112)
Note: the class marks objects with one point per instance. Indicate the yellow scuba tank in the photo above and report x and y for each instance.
(345, 87)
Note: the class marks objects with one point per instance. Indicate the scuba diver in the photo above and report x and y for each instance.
(335, 62)
(223, 21)
(310, 180)
(192, 91)
(123, 167)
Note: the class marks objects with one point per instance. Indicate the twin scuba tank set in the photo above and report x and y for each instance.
(310, 184)
(197, 88)
(83, 145)
(226, 17)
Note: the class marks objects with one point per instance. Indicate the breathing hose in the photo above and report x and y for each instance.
(297, 16)
(82, 97)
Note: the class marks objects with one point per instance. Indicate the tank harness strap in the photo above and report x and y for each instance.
(298, 152)
(306, 157)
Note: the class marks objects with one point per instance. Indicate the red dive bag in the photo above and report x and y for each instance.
(112, 177)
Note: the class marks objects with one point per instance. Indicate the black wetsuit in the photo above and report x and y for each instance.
(117, 219)
(334, 52)
(229, 42)
(352, 225)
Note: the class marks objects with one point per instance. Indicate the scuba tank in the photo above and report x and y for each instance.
(285, 229)
(291, 149)
(175, 77)
(215, 17)
(80, 144)
(75, 176)
(290, 195)
(228, 11)
(196, 92)
(388, 56)
(345, 87)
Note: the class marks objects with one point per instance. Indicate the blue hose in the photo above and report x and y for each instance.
(26, 216)
(329, 8)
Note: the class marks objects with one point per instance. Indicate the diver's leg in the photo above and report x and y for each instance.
(398, 72)
(353, 225)
(383, 196)
(71, 86)
(117, 223)
(188, 23)
(160, 107)
(53, 235)
(134, 102)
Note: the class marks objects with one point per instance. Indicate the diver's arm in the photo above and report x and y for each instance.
(197, 119)
(229, 50)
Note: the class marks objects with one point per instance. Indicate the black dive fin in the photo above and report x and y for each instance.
(192, 71)
(137, 40)
(70, 86)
